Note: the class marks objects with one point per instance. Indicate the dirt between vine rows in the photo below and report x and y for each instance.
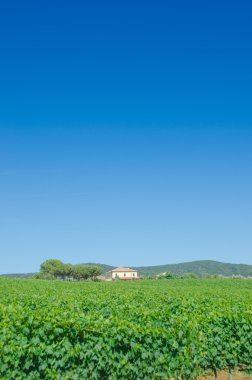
(222, 375)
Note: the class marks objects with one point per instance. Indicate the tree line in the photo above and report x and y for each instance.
(56, 269)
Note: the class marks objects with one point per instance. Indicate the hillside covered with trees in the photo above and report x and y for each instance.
(201, 268)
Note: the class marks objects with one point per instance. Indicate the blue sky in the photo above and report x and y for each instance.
(125, 132)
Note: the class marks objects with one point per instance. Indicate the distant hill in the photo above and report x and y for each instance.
(201, 268)
(18, 275)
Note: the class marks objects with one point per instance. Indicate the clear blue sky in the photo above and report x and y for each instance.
(125, 132)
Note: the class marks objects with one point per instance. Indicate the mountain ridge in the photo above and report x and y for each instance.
(199, 267)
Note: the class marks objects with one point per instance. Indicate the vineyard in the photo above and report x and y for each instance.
(155, 329)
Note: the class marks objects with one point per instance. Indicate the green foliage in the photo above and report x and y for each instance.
(172, 276)
(104, 267)
(53, 268)
(84, 272)
(43, 276)
(152, 330)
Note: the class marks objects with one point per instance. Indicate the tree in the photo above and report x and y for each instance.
(80, 272)
(67, 270)
(85, 272)
(53, 266)
(94, 271)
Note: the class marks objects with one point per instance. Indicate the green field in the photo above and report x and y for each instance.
(156, 329)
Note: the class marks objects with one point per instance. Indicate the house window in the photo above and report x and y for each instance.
(133, 274)
(124, 274)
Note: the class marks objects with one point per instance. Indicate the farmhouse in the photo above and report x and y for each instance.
(123, 274)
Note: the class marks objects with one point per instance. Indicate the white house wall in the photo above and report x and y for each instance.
(124, 274)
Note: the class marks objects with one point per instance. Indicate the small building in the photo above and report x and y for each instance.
(123, 274)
